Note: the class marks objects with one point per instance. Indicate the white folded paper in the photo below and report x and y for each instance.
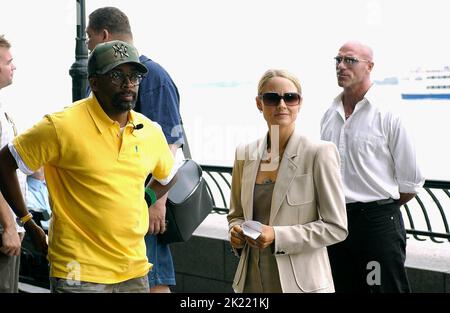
(252, 229)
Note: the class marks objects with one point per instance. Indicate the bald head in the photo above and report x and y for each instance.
(354, 63)
(357, 48)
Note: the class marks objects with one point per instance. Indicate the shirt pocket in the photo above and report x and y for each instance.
(368, 144)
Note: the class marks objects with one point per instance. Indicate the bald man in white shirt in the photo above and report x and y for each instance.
(379, 172)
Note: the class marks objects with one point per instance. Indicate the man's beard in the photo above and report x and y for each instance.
(123, 106)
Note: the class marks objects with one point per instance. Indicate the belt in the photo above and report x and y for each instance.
(360, 206)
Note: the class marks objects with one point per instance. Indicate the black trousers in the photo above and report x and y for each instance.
(372, 258)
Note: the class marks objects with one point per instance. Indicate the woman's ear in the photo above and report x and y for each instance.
(300, 104)
(259, 104)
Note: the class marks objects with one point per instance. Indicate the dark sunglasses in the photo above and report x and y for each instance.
(348, 60)
(273, 99)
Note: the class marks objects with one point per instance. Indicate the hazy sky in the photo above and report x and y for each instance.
(204, 41)
(234, 40)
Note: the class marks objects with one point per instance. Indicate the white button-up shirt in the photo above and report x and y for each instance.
(7, 133)
(378, 159)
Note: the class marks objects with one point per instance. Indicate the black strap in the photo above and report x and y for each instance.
(185, 147)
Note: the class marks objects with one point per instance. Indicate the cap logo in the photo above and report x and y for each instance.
(121, 49)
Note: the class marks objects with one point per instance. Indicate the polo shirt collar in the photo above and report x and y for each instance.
(101, 120)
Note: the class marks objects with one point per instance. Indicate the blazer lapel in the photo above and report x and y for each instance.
(250, 171)
(286, 174)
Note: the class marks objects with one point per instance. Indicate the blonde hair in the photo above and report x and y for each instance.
(4, 43)
(278, 73)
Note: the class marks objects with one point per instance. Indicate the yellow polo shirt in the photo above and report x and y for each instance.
(95, 178)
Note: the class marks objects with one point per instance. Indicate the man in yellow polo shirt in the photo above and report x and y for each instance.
(96, 155)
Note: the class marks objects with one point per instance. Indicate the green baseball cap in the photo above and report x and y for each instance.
(108, 55)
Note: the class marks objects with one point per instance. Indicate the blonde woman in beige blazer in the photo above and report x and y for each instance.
(293, 187)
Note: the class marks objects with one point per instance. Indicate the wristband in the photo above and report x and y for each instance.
(23, 220)
(150, 196)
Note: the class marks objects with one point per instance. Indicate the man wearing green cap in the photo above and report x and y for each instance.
(159, 100)
(96, 155)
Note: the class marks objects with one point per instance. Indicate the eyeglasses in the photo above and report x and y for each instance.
(118, 78)
(273, 99)
(348, 60)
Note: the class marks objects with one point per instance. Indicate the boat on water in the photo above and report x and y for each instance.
(426, 84)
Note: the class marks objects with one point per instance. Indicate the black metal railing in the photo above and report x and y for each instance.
(425, 216)
(218, 179)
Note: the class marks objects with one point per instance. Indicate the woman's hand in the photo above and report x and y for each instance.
(264, 240)
(237, 238)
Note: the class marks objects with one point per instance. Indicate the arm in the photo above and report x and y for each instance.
(159, 101)
(407, 172)
(235, 216)
(157, 212)
(10, 243)
(161, 194)
(330, 194)
(10, 188)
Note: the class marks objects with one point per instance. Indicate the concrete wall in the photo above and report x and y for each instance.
(204, 265)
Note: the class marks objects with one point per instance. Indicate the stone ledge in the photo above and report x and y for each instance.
(215, 226)
(428, 255)
(27, 288)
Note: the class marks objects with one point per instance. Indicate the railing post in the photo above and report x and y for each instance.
(78, 71)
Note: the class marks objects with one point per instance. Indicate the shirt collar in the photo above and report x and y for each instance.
(338, 105)
(101, 120)
(367, 100)
(370, 95)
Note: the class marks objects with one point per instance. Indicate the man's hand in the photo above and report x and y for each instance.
(38, 236)
(11, 242)
(405, 197)
(157, 217)
(157, 212)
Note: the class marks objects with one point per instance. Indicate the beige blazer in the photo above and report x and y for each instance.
(307, 211)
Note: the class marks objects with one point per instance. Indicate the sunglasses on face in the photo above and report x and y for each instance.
(348, 60)
(273, 99)
(119, 78)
